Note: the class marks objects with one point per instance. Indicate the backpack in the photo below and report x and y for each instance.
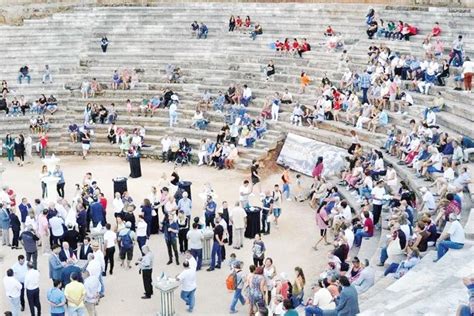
(126, 241)
(231, 281)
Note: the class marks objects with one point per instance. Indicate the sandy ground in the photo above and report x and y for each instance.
(289, 245)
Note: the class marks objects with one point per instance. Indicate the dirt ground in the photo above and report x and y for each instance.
(289, 245)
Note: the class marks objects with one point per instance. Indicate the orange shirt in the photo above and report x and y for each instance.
(305, 80)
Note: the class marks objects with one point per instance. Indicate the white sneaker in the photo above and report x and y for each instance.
(288, 199)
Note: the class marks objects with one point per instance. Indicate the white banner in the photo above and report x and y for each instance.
(301, 154)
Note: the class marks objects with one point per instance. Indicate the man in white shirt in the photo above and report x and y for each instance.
(56, 224)
(32, 278)
(453, 238)
(238, 217)
(244, 193)
(187, 278)
(378, 193)
(20, 269)
(99, 256)
(12, 290)
(189, 257)
(322, 300)
(110, 239)
(195, 238)
(92, 287)
(428, 201)
(246, 96)
(165, 147)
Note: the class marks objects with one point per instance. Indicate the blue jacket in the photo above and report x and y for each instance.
(347, 304)
(97, 213)
(4, 219)
(55, 267)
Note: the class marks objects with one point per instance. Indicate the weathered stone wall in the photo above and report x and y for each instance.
(15, 11)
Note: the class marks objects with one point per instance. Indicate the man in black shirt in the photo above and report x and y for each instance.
(217, 247)
(226, 217)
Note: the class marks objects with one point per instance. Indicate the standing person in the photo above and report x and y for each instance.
(458, 47)
(210, 211)
(195, 238)
(126, 239)
(244, 193)
(28, 148)
(86, 143)
(55, 265)
(285, 178)
(468, 71)
(146, 268)
(9, 144)
(277, 198)
(104, 42)
(13, 291)
(61, 183)
(257, 288)
(92, 287)
(183, 224)
(255, 176)
(75, 293)
(238, 217)
(141, 232)
(298, 287)
(24, 208)
(43, 140)
(56, 299)
(187, 278)
(20, 268)
(170, 230)
(378, 194)
(258, 250)
(5, 225)
(225, 215)
(267, 210)
(322, 221)
(110, 239)
(15, 226)
(29, 240)
(147, 210)
(20, 149)
(240, 282)
(32, 278)
(47, 74)
(218, 242)
(44, 173)
(43, 231)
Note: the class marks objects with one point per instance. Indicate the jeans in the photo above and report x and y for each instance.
(33, 256)
(455, 53)
(188, 297)
(172, 247)
(236, 298)
(311, 310)
(445, 245)
(383, 255)
(47, 76)
(173, 119)
(21, 76)
(216, 251)
(265, 224)
(15, 305)
(360, 233)
(286, 190)
(34, 301)
(197, 254)
(60, 189)
(392, 268)
(209, 218)
(76, 311)
(364, 95)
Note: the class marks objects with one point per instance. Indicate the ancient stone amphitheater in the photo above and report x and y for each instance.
(150, 37)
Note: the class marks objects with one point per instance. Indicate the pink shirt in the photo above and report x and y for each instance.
(43, 226)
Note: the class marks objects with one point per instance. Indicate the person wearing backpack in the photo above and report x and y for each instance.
(237, 284)
(126, 238)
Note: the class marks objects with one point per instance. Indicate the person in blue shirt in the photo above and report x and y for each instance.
(55, 265)
(365, 83)
(146, 212)
(170, 230)
(61, 183)
(5, 225)
(203, 30)
(56, 299)
(24, 208)
(210, 211)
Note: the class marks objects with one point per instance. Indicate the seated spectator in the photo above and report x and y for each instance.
(194, 29)
(303, 47)
(73, 132)
(47, 74)
(364, 279)
(238, 22)
(24, 105)
(400, 269)
(94, 87)
(52, 104)
(463, 309)
(322, 300)
(116, 80)
(231, 157)
(329, 31)
(218, 104)
(270, 69)
(14, 109)
(203, 31)
(435, 31)
(247, 22)
(85, 88)
(372, 29)
(246, 96)
(257, 31)
(112, 134)
(24, 73)
(453, 238)
(4, 89)
(370, 16)
(198, 121)
(296, 115)
(286, 97)
(366, 231)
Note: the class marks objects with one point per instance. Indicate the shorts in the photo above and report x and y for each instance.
(86, 146)
(255, 181)
(322, 232)
(276, 212)
(126, 253)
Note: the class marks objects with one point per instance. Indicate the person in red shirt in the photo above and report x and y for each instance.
(304, 47)
(247, 21)
(436, 31)
(279, 46)
(329, 31)
(238, 22)
(367, 231)
(103, 201)
(12, 196)
(43, 144)
(294, 46)
(286, 45)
